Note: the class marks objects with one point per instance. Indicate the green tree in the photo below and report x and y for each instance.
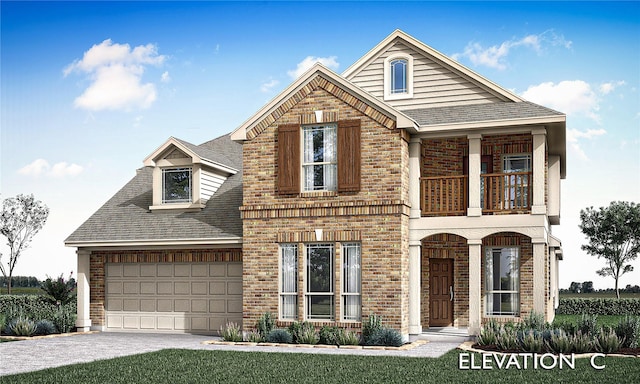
(21, 218)
(614, 234)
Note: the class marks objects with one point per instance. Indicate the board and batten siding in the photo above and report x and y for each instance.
(209, 184)
(434, 85)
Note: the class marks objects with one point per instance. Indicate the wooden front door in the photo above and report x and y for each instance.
(440, 292)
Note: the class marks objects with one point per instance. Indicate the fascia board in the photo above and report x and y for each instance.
(155, 242)
(149, 161)
(490, 124)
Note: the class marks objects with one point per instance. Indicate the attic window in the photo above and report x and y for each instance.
(177, 185)
(398, 77)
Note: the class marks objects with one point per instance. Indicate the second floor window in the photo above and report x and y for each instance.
(398, 72)
(320, 158)
(177, 185)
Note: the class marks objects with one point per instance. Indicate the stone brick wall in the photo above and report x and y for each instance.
(98, 259)
(377, 215)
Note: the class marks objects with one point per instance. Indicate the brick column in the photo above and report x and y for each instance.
(414, 288)
(538, 165)
(475, 299)
(83, 322)
(475, 151)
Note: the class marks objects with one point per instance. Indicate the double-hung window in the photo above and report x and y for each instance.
(517, 192)
(177, 185)
(320, 157)
(320, 281)
(351, 282)
(502, 281)
(289, 281)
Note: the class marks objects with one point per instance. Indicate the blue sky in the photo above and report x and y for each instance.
(88, 90)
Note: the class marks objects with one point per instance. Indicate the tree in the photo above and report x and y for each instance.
(21, 218)
(587, 287)
(575, 287)
(614, 234)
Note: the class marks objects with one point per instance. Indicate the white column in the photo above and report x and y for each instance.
(415, 147)
(475, 299)
(475, 151)
(539, 149)
(83, 322)
(415, 270)
(539, 246)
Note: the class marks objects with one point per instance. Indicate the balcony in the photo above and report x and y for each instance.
(501, 193)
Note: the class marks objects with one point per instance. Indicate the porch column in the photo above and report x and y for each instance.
(539, 286)
(414, 177)
(83, 321)
(539, 149)
(415, 270)
(475, 152)
(475, 299)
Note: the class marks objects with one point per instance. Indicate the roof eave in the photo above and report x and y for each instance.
(154, 242)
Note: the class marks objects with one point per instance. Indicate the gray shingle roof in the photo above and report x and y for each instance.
(479, 112)
(126, 216)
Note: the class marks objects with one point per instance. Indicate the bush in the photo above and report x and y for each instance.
(599, 306)
(254, 336)
(581, 343)
(588, 324)
(534, 321)
(330, 335)
(309, 336)
(45, 327)
(559, 342)
(507, 340)
(303, 330)
(607, 341)
(64, 319)
(3, 322)
(628, 330)
(35, 307)
(348, 338)
(231, 332)
(488, 333)
(279, 336)
(387, 337)
(59, 290)
(531, 341)
(371, 326)
(266, 323)
(22, 326)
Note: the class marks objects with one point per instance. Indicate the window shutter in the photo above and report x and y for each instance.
(289, 159)
(348, 155)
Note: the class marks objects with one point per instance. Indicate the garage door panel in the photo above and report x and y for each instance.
(168, 297)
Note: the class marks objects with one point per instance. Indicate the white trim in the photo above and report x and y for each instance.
(151, 160)
(387, 78)
(437, 56)
(152, 242)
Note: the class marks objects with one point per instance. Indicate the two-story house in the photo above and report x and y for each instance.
(408, 187)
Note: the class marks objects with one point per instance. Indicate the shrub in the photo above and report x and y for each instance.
(348, 338)
(299, 330)
(254, 336)
(507, 340)
(559, 342)
(371, 326)
(231, 332)
(45, 327)
(588, 324)
(534, 321)
(22, 326)
(59, 290)
(36, 307)
(581, 343)
(279, 336)
(487, 336)
(308, 336)
(387, 337)
(606, 341)
(3, 322)
(266, 323)
(329, 335)
(64, 319)
(628, 330)
(599, 306)
(531, 341)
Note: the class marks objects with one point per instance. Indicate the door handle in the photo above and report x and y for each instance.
(451, 293)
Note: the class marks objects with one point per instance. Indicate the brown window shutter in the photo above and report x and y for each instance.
(288, 159)
(348, 155)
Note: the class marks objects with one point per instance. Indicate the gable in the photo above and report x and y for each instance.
(437, 80)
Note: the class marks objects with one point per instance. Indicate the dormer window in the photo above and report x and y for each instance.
(398, 77)
(177, 185)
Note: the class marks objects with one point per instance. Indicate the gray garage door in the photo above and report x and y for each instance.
(173, 297)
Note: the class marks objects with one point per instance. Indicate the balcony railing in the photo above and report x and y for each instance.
(500, 193)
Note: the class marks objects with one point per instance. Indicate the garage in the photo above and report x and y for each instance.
(172, 297)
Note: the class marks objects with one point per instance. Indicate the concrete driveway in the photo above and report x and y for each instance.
(37, 354)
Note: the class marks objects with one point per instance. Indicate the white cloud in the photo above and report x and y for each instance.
(165, 78)
(573, 135)
(607, 88)
(308, 62)
(41, 167)
(115, 72)
(573, 97)
(495, 56)
(268, 86)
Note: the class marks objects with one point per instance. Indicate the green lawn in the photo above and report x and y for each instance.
(610, 320)
(188, 366)
(23, 291)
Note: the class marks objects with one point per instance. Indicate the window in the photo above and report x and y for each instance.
(289, 282)
(320, 281)
(502, 281)
(398, 76)
(517, 185)
(176, 185)
(319, 158)
(351, 281)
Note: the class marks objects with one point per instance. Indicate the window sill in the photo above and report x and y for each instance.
(178, 206)
(398, 96)
(319, 194)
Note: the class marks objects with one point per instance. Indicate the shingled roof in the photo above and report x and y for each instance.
(479, 112)
(126, 216)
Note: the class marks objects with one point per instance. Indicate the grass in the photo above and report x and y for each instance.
(23, 291)
(182, 366)
(610, 320)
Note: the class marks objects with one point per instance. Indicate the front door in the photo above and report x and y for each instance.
(440, 292)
